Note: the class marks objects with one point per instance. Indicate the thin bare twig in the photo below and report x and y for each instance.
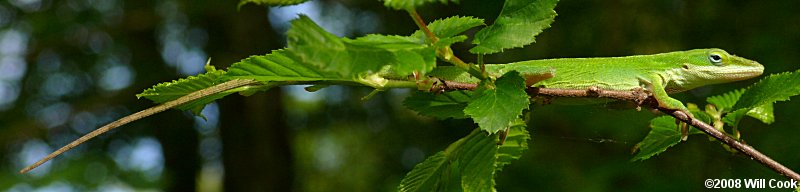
(739, 146)
(642, 98)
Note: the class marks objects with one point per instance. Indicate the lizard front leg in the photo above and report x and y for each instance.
(655, 84)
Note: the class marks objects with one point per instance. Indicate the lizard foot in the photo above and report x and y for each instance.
(683, 126)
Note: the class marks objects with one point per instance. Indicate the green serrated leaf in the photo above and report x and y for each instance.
(663, 134)
(277, 66)
(451, 181)
(519, 22)
(516, 143)
(477, 157)
(411, 4)
(452, 73)
(776, 87)
(387, 41)
(497, 105)
(763, 113)
(444, 42)
(447, 30)
(425, 176)
(446, 105)
(452, 26)
(271, 2)
(449, 27)
(466, 165)
(168, 91)
(270, 69)
(727, 100)
(757, 100)
(403, 54)
(310, 44)
(733, 118)
(698, 113)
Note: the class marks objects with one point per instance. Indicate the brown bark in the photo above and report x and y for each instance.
(255, 143)
(256, 151)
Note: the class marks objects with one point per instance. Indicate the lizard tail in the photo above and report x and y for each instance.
(142, 114)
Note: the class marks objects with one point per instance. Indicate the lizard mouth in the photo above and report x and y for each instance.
(729, 73)
(742, 73)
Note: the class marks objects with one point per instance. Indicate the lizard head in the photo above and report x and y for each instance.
(701, 67)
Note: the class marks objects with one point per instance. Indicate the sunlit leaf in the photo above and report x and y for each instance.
(450, 27)
(519, 22)
(271, 69)
(277, 67)
(757, 100)
(168, 91)
(763, 113)
(443, 42)
(776, 87)
(310, 44)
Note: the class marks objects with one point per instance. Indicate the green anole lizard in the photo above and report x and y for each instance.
(660, 74)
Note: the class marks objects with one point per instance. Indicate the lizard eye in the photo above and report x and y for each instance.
(716, 59)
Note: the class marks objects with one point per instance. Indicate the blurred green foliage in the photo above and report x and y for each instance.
(74, 57)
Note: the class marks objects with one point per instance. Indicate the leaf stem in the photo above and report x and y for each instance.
(446, 53)
(480, 63)
(400, 84)
(421, 24)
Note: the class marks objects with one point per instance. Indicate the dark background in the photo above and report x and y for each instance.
(67, 67)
